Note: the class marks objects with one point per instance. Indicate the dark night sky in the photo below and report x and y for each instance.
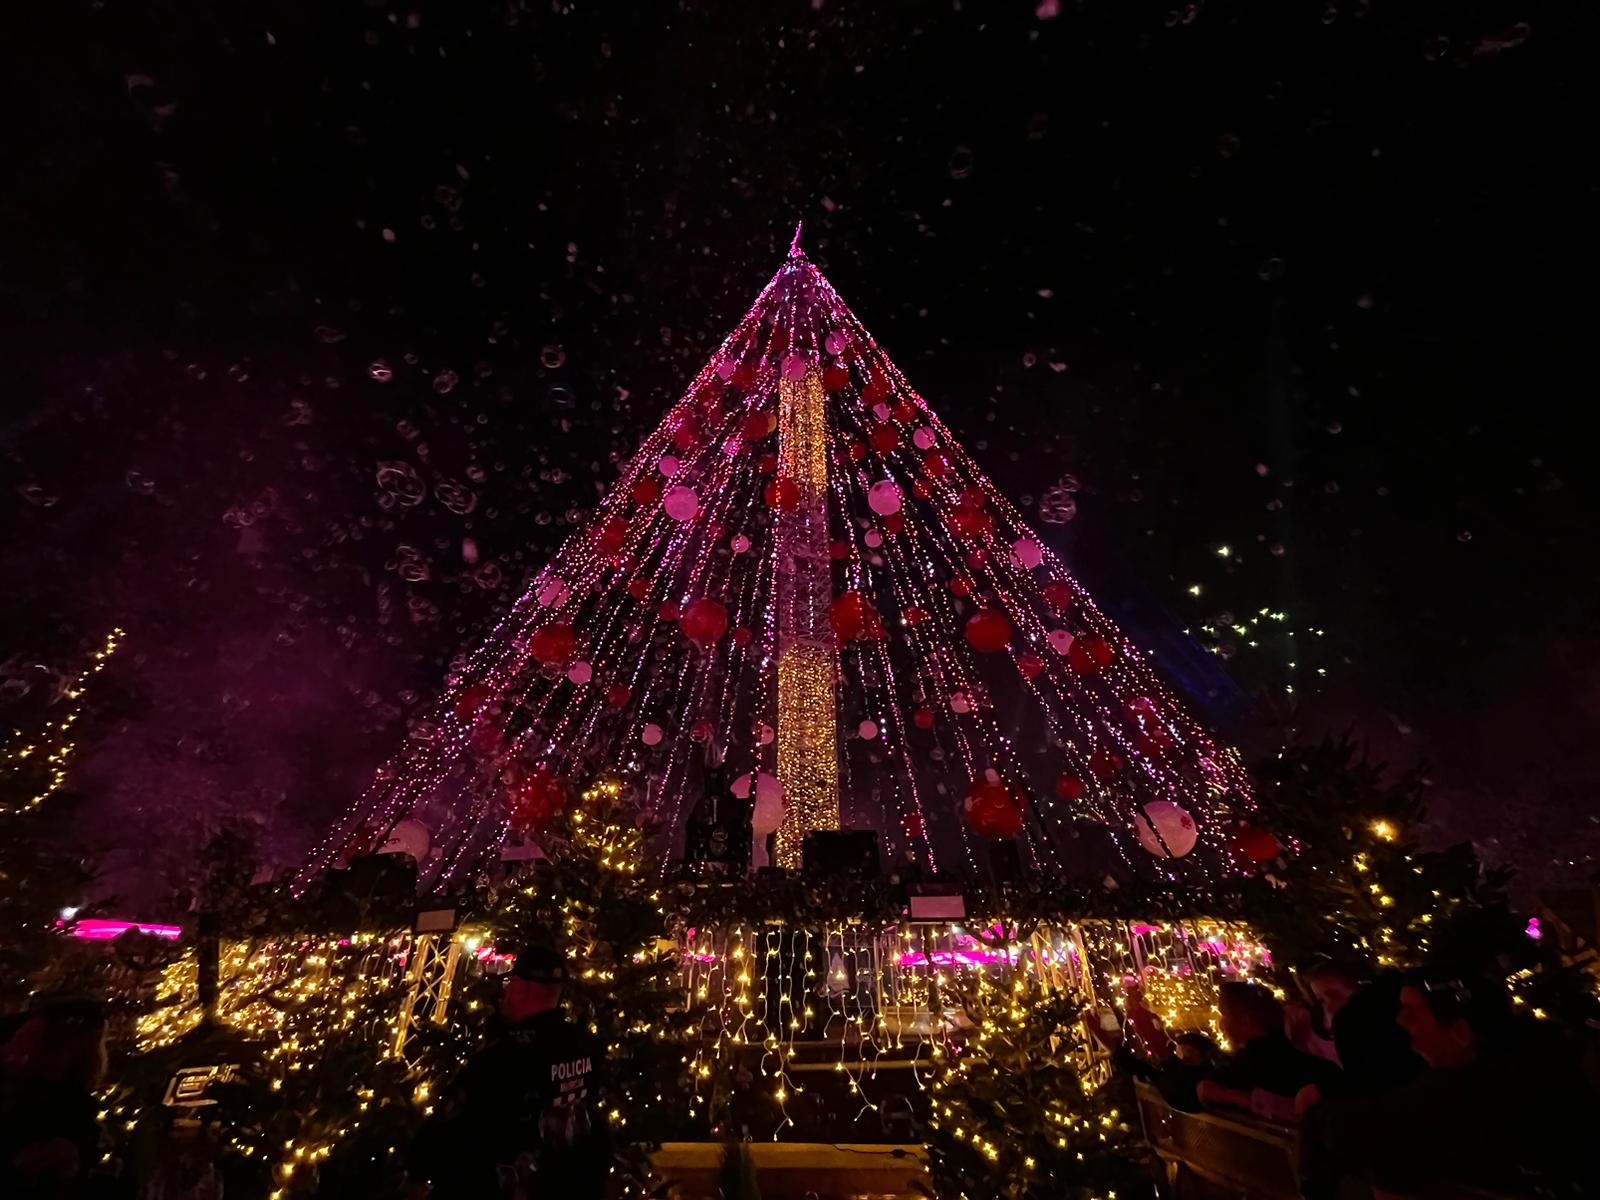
(1306, 280)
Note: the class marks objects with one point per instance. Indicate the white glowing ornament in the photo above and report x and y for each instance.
(883, 498)
(1060, 640)
(767, 813)
(650, 735)
(408, 837)
(580, 672)
(668, 465)
(1029, 553)
(681, 503)
(1175, 827)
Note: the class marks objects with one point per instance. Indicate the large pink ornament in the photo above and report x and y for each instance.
(1028, 552)
(580, 672)
(650, 735)
(1175, 827)
(739, 544)
(794, 367)
(923, 438)
(726, 367)
(1060, 640)
(553, 592)
(681, 503)
(868, 729)
(834, 342)
(884, 498)
(668, 465)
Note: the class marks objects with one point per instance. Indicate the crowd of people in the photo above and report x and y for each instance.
(1400, 1083)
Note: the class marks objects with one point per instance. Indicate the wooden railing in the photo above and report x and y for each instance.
(1212, 1157)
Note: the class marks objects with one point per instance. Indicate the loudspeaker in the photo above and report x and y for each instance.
(851, 853)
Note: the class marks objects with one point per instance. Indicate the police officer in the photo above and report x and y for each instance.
(522, 1121)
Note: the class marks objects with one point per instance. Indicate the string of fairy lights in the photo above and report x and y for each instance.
(51, 743)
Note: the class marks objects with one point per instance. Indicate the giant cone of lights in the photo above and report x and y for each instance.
(802, 565)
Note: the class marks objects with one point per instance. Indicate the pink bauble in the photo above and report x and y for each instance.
(794, 367)
(1060, 640)
(883, 498)
(739, 544)
(553, 592)
(1175, 826)
(834, 342)
(650, 735)
(668, 465)
(1028, 552)
(923, 438)
(681, 503)
(868, 729)
(580, 672)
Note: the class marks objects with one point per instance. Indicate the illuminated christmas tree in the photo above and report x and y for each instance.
(802, 566)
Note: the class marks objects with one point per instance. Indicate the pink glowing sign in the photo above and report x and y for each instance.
(94, 929)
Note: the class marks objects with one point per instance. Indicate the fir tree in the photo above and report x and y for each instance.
(1013, 1118)
(39, 880)
(1353, 882)
(597, 899)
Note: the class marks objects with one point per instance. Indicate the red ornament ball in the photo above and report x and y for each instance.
(646, 490)
(835, 379)
(903, 411)
(970, 524)
(1255, 844)
(612, 536)
(935, 464)
(1089, 654)
(877, 388)
(923, 718)
(1105, 764)
(857, 450)
(894, 524)
(742, 636)
(471, 700)
(1030, 664)
(1058, 594)
(885, 438)
(988, 631)
(670, 612)
(853, 616)
(554, 644)
(617, 695)
(915, 615)
(993, 810)
(639, 589)
(1068, 787)
(782, 494)
(743, 375)
(702, 730)
(704, 621)
(537, 799)
(685, 436)
(757, 425)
